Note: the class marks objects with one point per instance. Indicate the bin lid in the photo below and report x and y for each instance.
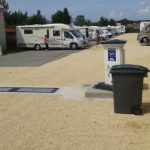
(128, 68)
(114, 41)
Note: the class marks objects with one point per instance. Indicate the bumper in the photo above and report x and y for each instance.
(138, 38)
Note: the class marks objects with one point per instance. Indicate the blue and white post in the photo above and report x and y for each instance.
(114, 54)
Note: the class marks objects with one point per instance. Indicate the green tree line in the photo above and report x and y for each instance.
(61, 16)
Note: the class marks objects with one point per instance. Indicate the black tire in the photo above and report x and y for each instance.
(136, 110)
(145, 41)
(37, 47)
(74, 46)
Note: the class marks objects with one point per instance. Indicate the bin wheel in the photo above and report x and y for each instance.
(136, 110)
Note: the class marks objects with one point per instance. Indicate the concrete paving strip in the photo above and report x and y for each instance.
(72, 92)
(77, 92)
(81, 92)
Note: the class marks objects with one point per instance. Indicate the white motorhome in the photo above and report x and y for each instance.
(93, 30)
(120, 29)
(143, 24)
(106, 31)
(144, 35)
(84, 30)
(59, 36)
(103, 35)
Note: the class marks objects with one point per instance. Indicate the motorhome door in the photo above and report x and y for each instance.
(55, 38)
(67, 39)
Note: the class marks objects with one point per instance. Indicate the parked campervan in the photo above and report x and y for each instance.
(144, 35)
(85, 32)
(120, 29)
(109, 34)
(93, 30)
(103, 35)
(143, 23)
(59, 36)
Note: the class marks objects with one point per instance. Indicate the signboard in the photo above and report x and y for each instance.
(111, 54)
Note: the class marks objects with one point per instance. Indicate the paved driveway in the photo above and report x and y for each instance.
(32, 58)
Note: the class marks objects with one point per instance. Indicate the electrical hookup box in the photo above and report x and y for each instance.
(114, 54)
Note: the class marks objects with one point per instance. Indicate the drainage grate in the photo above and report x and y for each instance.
(28, 89)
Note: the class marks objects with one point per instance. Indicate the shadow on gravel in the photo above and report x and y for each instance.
(33, 58)
(146, 107)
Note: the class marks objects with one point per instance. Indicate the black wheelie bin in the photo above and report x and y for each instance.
(127, 82)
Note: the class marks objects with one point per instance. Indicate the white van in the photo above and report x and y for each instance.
(59, 36)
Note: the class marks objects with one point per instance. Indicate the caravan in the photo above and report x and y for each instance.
(59, 36)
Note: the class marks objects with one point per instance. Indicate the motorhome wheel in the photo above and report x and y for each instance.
(73, 46)
(145, 40)
(37, 47)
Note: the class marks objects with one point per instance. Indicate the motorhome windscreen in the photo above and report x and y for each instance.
(76, 34)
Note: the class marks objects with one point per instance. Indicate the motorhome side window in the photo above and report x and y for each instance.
(56, 33)
(67, 35)
(28, 31)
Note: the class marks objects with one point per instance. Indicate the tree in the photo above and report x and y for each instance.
(88, 22)
(103, 21)
(79, 20)
(57, 17)
(66, 17)
(125, 21)
(112, 22)
(17, 18)
(20, 18)
(37, 18)
(61, 17)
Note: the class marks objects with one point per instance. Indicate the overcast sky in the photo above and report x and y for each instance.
(91, 9)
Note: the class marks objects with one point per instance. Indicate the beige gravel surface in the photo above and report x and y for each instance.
(51, 122)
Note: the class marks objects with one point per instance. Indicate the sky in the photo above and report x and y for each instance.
(91, 9)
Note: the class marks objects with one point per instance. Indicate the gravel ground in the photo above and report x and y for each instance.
(51, 122)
